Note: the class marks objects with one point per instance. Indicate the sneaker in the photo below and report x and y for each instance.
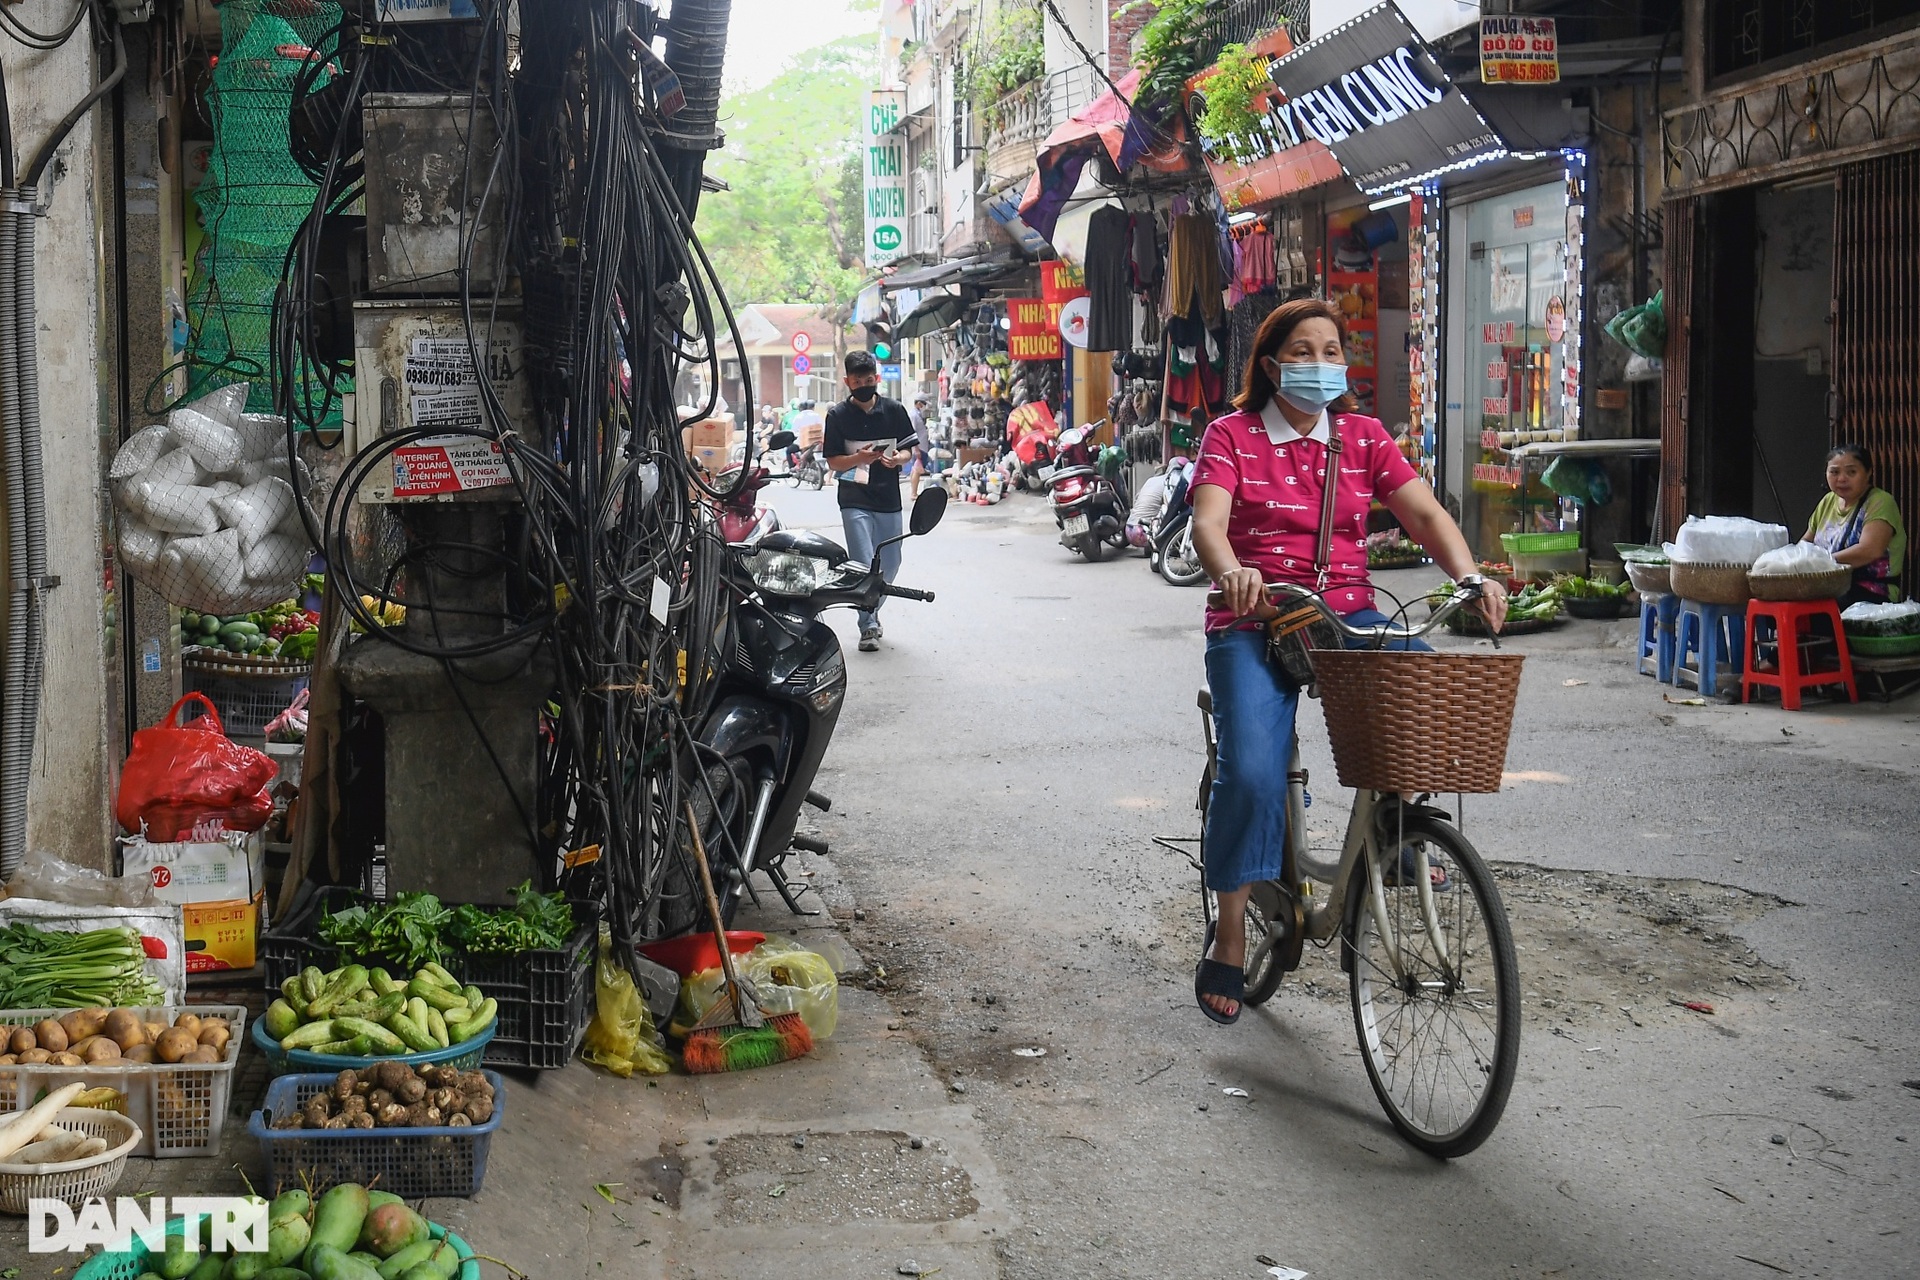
(879, 632)
(870, 640)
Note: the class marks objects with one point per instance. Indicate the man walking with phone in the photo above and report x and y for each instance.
(867, 439)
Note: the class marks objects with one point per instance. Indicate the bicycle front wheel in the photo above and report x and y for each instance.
(1437, 1003)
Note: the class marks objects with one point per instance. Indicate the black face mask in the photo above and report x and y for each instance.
(865, 395)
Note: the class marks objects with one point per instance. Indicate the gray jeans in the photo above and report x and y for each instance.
(866, 530)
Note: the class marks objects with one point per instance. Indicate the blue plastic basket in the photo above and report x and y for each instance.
(412, 1163)
(131, 1264)
(465, 1055)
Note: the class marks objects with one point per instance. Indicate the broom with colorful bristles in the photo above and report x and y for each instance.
(737, 1034)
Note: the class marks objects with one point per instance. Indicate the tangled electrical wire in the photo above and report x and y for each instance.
(605, 574)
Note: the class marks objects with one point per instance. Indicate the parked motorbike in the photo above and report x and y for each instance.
(810, 469)
(742, 518)
(1171, 538)
(1033, 476)
(779, 694)
(1090, 508)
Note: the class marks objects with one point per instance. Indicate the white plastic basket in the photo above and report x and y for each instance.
(73, 1180)
(179, 1107)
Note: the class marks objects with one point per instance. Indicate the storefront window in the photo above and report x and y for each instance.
(1510, 379)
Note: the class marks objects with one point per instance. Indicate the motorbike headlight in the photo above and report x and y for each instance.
(787, 573)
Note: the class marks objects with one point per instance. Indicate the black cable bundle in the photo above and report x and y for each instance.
(612, 564)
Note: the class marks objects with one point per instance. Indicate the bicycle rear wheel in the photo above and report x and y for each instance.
(1439, 1031)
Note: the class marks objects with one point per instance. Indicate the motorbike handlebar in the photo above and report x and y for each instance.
(1288, 592)
(908, 593)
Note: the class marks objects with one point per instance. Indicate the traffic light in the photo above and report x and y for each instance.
(880, 340)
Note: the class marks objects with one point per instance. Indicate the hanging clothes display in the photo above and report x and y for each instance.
(1148, 258)
(1109, 280)
(1193, 269)
(1253, 261)
(1243, 324)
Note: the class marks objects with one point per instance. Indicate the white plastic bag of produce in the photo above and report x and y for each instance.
(140, 546)
(256, 510)
(142, 449)
(277, 560)
(206, 573)
(1727, 540)
(1794, 560)
(214, 445)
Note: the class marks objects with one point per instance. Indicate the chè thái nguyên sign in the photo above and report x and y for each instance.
(884, 185)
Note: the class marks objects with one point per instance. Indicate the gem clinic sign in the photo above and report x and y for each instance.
(1371, 92)
(885, 169)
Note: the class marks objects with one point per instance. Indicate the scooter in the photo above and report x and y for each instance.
(742, 519)
(1033, 476)
(1089, 508)
(1171, 538)
(779, 696)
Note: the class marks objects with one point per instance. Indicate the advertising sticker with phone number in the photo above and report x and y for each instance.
(1519, 50)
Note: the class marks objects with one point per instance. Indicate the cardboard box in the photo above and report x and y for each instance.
(219, 886)
(222, 935)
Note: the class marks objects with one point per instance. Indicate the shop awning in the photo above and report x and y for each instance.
(931, 316)
(974, 270)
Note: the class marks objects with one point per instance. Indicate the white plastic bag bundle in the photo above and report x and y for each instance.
(1866, 612)
(206, 512)
(1726, 540)
(1795, 560)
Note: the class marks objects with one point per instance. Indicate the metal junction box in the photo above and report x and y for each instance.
(414, 370)
(434, 198)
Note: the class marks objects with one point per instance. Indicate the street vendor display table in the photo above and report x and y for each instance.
(1891, 677)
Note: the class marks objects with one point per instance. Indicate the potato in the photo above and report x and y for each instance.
(215, 1035)
(23, 1039)
(7, 1059)
(100, 1049)
(124, 1029)
(139, 1053)
(153, 1030)
(51, 1035)
(64, 1059)
(175, 1044)
(33, 1058)
(82, 1023)
(201, 1053)
(189, 1022)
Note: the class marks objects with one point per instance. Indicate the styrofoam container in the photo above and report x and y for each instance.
(181, 1107)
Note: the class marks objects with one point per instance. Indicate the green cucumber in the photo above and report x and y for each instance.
(383, 1040)
(437, 1027)
(417, 1037)
(306, 1037)
(312, 984)
(440, 975)
(452, 1016)
(352, 981)
(439, 997)
(383, 982)
(473, 995)
(240, 628)
(482, 1018)
(281, 1019)
(385, 1007)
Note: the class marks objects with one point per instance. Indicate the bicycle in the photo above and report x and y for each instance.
(1433, 978)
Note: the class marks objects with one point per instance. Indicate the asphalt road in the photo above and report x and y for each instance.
(1002, 765)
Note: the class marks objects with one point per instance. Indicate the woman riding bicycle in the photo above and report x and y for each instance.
(1256, 494)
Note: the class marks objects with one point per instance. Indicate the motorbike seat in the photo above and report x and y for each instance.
(1064, 473)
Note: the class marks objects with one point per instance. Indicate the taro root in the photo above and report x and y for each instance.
(411, 1090)
(343, 1084)
(389, 1075)
(335, 1122)
(478, 1110)
(457, 1119)
(359, 1120)
(392, 1115)
(293, 1121)
(317, 1111)
(378, 1099)
(443, 1098)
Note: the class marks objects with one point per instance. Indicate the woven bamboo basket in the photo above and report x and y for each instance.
(1711, 583)
(1403, 721)
(1650, 579)
(1801, 586)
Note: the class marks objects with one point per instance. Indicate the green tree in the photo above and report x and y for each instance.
(789, 228)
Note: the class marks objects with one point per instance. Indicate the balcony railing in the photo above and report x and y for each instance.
(1019, 119)
(1241, 21)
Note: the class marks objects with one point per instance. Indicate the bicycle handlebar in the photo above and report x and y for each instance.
(1459, 598)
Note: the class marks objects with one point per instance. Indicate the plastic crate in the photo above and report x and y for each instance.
(131, 1263)
(248, 700)
(545, 997)
(1537, 543)
(411, 1163)
(466, 1055)
(181, 1107)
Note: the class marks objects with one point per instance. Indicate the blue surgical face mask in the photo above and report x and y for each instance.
(1311, 387)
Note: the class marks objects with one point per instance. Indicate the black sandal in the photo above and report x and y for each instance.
(1405, 875)
(1212, 978)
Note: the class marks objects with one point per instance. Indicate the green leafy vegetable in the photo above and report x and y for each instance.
(42, 969)
(537, 922)
(406, 929)
(1572, 587)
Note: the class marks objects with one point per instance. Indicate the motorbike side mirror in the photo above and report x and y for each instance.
(927, 510)
(779, 440)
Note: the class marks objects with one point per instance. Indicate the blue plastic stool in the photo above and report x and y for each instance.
(1715, 636)
(1657, 617)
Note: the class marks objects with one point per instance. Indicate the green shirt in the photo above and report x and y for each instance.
(1834, 527)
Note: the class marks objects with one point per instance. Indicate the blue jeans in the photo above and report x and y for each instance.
(1253, 723)
(865, 530)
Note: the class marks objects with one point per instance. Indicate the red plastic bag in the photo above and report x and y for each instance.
(177, 776)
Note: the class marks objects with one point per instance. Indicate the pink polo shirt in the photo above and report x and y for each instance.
(1275, 474)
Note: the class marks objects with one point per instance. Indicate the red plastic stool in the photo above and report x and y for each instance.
(1790, 637)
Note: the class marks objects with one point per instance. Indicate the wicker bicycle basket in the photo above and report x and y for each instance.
(1404, 721)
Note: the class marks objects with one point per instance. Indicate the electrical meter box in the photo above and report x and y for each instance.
(436, 193)
(414, 371)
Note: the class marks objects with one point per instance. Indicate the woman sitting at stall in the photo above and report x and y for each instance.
(1860, 525)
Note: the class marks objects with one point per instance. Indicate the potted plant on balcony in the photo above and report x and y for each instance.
(1015, 56)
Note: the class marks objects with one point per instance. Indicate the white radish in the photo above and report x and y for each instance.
(28, 1126)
